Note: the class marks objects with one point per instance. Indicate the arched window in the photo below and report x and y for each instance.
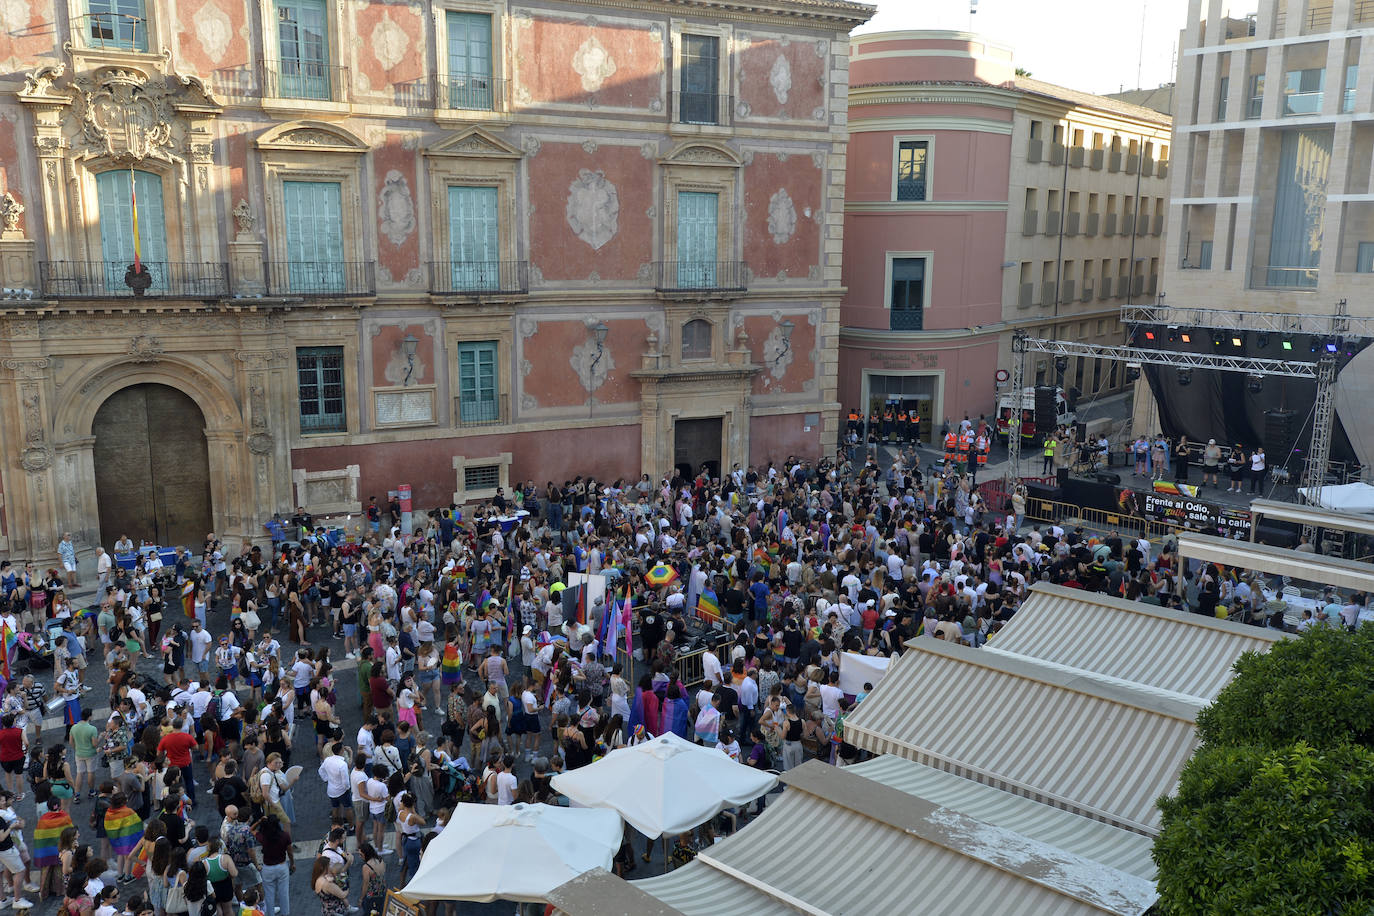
(696, 339)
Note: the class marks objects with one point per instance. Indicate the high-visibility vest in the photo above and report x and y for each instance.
(983, 450)
(853, 416)
(965, 441)
(901, 417)
(1049, 448)
(951, 444)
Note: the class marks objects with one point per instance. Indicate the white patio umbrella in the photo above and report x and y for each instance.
(664, 786)
(514, 852)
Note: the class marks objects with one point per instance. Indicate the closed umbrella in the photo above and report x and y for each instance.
(514, 852)
(666, 785)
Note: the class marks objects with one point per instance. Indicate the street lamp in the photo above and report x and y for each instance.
(408, 346)
(787, 327)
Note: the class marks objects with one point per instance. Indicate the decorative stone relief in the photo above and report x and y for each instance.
(818, 160)
(33, 414)
(243, 215)
(536, 277)
(655, 105)
(10, 211)
(396, 208)
(780, 78)
(328, 492)
(526, 367)
(593, 210)
(649, 151)
(28, 368)
(589, 146)
(121, 112)
(528, 402)
(145, 349)
(593, 63)
(260, 443)
(389, 43)
(742, 109)
(592, 364)
(782, 216)
(35, 459)
(818, 113)
(214, 31)
(531, 146)
(400, 372)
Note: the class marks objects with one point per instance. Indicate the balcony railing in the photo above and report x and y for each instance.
(1272, 277)
(114, 30)
(906, 319)
(117, 279)
(481, 411)
(1302, 103)
(471, 93)
(700, 276)
(320, 278)
(476, 278)
(315, 81)
(701, 108)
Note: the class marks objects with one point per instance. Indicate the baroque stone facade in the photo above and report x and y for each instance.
(609, 325)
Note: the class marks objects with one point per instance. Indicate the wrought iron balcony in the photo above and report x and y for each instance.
(118, 279)
(700, 276)
(477, 278)
(321, 279)
(906, 319)
(471, 93)
(119, 31)
(481, 411)
(701, 108)
(304, 79)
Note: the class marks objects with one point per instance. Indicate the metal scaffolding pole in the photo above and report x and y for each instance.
(1018, 381)
(1247, 364)
(1319, 455)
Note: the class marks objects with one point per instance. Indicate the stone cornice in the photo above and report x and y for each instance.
(837, 14)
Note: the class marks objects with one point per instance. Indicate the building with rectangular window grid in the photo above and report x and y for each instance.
(454, 244)
(979, 203)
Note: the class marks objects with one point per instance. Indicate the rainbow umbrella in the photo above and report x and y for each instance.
(660, 575)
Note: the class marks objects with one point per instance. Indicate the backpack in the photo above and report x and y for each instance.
(255, 787)
(211, 715)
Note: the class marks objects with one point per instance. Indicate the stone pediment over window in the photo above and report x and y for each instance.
(313, 136)
(476, 143)
(119, 113)
(698, 152)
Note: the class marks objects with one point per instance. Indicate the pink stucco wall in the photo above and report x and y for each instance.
(969, 368)
(778, 437)
(880, 61)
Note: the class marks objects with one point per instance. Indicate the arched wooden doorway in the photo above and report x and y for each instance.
(152, 469)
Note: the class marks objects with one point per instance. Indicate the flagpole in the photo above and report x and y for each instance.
(133, 209)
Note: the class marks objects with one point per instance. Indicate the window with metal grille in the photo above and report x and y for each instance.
(482, 477)
(320, 386)
(698, 102)
(907, 303)
(696, 339)
(911, 169)
(118, 24)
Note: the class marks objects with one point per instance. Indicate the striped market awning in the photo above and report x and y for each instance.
(901, 853)
(1101, 750)
(1119, 640)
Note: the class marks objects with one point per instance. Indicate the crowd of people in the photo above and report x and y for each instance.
(478, 674)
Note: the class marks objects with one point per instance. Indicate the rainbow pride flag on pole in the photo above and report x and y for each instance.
(188, 598)
(124, 829)
(7, 643)
(47, 836)
(451, 666)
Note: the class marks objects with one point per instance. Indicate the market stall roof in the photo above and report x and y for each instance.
(1309, 567)
(911, 849)
(1342, 519)
(1123, 850)
(1121, 640)
(598, 892)
(1102, 750)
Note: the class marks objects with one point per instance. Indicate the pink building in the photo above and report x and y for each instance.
(972, 210)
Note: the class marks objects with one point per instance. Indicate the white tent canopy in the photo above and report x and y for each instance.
(1346, 497)
(665, 785)
(514, 852)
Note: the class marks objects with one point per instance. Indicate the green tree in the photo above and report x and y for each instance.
(1270, 831)
(1318, 688)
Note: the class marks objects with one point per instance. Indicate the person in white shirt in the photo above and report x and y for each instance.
(198, 641)
(367, 744)
(334, 772)
(711, 669)
(102, 570)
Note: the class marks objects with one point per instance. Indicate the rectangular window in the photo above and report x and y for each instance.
(1299, 183)
(911, 169)
(320, 389)
(698, 102)
(1364, 258)
(469, 61)
(1302, 91)
(314, 235)
(117, 226)
(473, 241)
(1204, 256)
(696, 239)
(303, 44)
(478, 401)
(1352, 76)
(907, 302)
(1223, 87)
(481, 477)
(117, 24)
(1255, 97)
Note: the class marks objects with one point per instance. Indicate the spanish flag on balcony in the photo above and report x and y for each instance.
(133, 211)
(124, 829)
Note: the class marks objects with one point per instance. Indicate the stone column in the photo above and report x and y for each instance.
(32, 497)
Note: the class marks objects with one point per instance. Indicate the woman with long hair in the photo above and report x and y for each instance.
(58, 771)
(373, 892)
(409, 825)
(333, 898)
(159, 864)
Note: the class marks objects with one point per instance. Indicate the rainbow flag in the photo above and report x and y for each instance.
(510, 612)
(7, 642)
(708, 605)
(188, 599)
(485, 600)
(1175, 489)
(451, 666)
(124, 829)
(605, 636)
(47, 836)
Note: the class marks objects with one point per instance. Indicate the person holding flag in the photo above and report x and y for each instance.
(47, 847)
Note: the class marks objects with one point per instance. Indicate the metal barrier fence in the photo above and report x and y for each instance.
(688, 667)
(1049, 510)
